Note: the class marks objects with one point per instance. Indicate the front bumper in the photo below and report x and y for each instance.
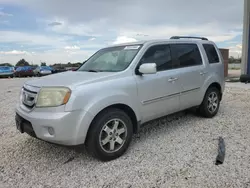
(68, 128)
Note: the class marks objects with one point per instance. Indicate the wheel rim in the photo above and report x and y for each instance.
(113, 135)
(213, 102)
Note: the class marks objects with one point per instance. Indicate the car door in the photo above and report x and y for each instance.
(158, 93)
(188, 59)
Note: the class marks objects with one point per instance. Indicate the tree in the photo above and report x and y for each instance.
(6, 64)
(22, 62)
(43, 63)
(233, 60)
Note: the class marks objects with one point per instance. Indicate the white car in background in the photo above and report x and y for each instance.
(42, 71)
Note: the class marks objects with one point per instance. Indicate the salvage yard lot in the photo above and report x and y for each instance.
(178, 151)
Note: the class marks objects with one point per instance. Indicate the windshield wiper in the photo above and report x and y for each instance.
(92, 70)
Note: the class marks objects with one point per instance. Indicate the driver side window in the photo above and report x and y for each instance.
(159, 54)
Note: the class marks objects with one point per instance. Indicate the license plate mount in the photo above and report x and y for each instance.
(19, 123)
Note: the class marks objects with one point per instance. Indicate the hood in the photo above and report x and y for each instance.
(70, 79)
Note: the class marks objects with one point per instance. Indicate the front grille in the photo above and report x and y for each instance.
(29, 97)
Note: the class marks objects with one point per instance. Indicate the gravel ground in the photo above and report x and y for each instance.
(176, 151)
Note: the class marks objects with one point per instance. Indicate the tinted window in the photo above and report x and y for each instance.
(19, 69)
(185, 55)
(212, 55)
(5, 68)
(159, 54)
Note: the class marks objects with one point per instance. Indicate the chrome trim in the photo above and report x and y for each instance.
(160, 98)
(190, 90)
(31, 88)
(29, 96)
(168, 96)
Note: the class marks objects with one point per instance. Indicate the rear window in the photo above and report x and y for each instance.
(46, 68)
(185, 55)
(211, 52)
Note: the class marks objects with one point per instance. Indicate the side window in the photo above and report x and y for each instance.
(212, 55)
(185, 55)
(159, 54)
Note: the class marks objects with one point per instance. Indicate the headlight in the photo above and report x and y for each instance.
(52, 97)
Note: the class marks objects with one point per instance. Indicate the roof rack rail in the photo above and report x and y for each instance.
(187, 37)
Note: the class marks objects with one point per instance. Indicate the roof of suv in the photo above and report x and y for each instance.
(163, 40)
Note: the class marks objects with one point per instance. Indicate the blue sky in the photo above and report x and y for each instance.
(60, 30)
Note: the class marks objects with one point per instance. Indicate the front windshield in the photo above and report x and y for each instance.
(112, 59)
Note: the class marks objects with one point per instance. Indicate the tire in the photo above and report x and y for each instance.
(102, 130)
(204, 109)
(245, 78)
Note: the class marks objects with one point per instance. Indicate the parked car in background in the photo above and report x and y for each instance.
(58, 69)
(43, 70)
(24, 71)
(6, 71)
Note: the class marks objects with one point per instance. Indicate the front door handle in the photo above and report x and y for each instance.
(172, 79)
(202, 73)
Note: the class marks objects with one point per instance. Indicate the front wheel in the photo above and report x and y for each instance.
(211, 103)
(110, 134)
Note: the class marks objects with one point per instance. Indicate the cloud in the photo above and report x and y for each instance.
(123, 39)
(27, 39)
(91, 39)
(72, 47)
(92, 28)
(4, 22)
(4, 14)
(96, 18)
(92, 23)
(13, 52)
(217, 34)
(49, 56)
(239, 46)
(54, 24)
(195, 12)
(235, 50)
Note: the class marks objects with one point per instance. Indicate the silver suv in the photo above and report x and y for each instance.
(120, 88)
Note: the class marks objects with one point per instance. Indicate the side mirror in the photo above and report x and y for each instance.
(147, 68)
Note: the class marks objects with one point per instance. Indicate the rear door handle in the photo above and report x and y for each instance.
(172, 79)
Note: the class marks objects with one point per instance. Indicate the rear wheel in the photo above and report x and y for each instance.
(211, 103)
(110, 134)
